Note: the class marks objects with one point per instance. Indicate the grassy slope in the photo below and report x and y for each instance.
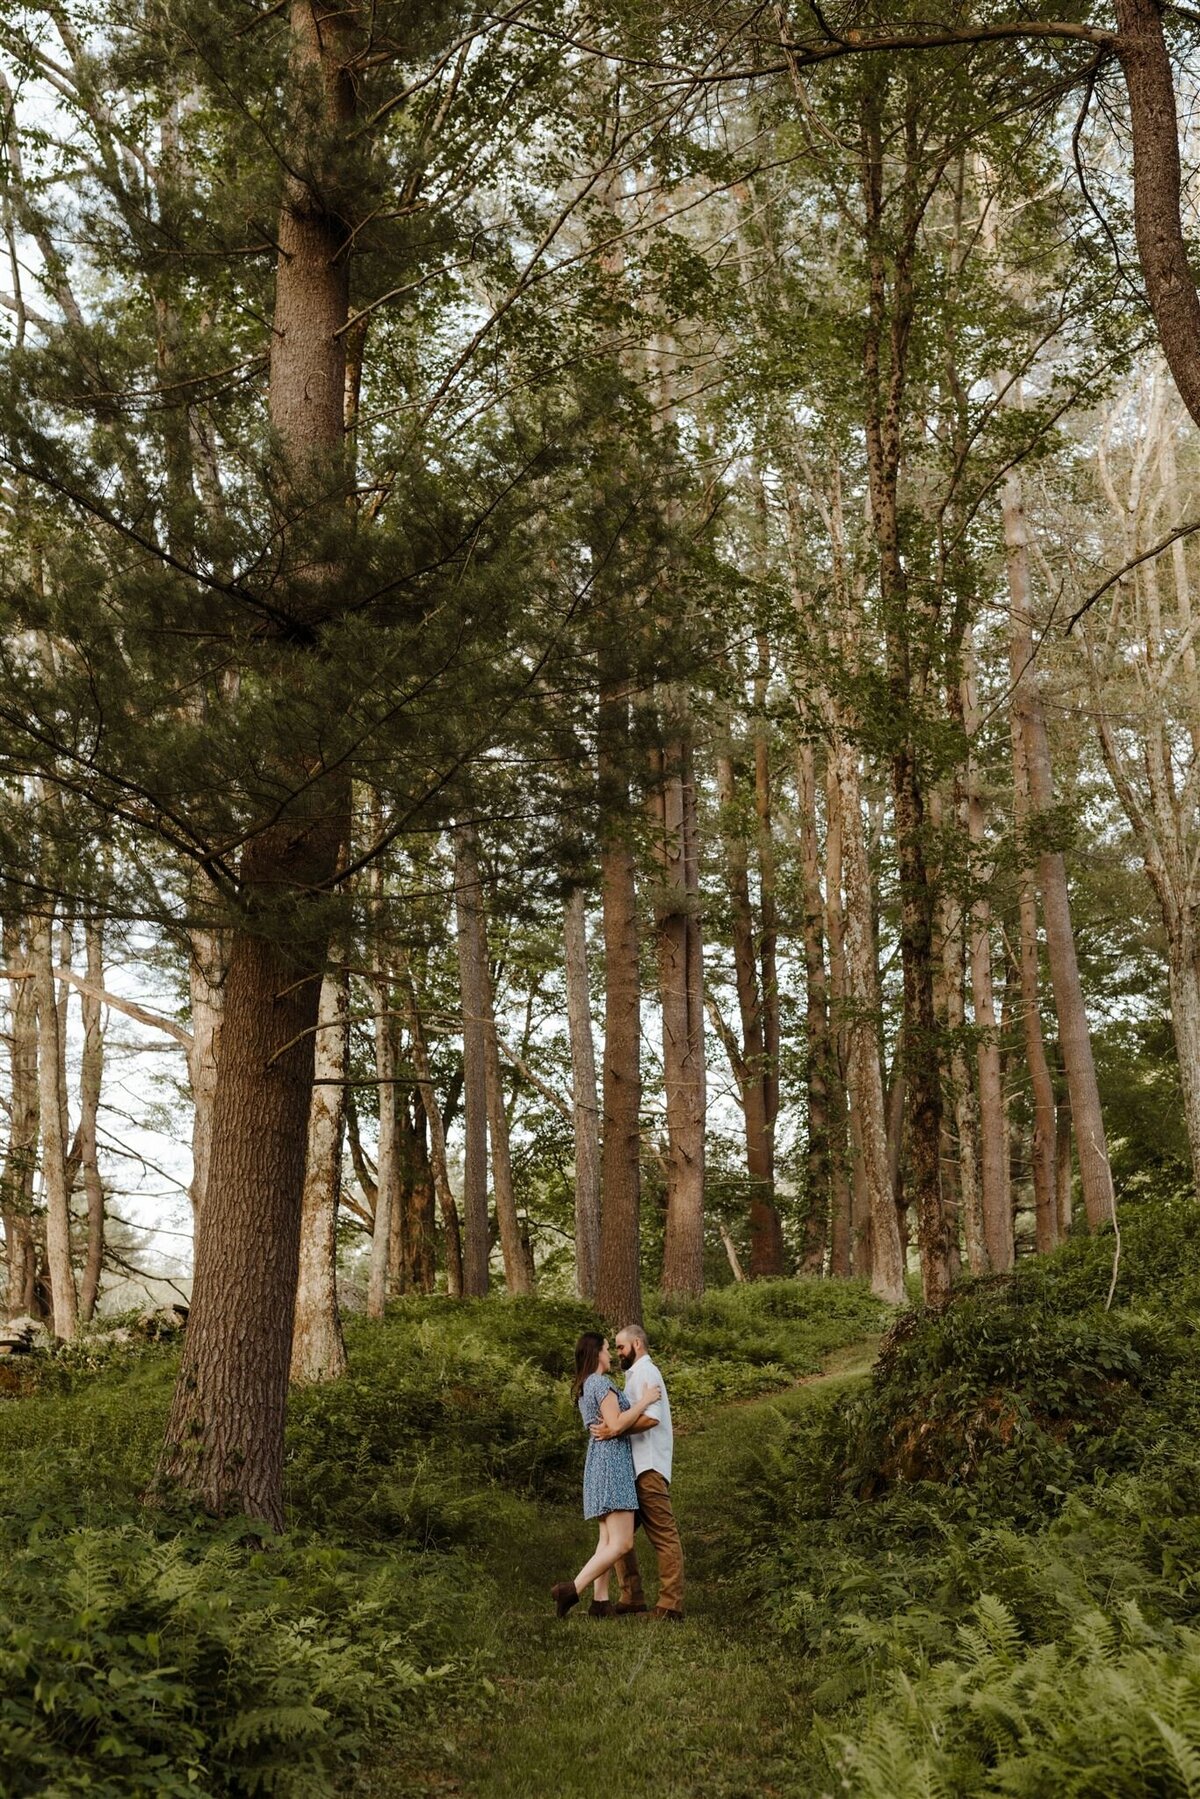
(590, 1708)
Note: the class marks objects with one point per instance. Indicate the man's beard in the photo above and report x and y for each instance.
(627, 1357)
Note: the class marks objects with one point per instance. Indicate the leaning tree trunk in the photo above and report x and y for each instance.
(318, 1347)
(224, 1437)
(681, 996)
(618, 1280)
(1029, 721)
(585, 1112)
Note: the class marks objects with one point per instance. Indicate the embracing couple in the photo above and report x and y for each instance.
(626, 1478)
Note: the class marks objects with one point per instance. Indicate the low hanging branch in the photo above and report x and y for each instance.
(1128, 568)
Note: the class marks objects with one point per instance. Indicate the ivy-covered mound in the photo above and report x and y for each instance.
(991, 1556)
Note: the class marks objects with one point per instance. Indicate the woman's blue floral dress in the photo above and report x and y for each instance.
(608, 1483)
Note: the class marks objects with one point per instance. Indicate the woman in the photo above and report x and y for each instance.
(609, 1493)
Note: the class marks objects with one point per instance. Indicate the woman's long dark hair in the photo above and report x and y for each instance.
(587, 1358)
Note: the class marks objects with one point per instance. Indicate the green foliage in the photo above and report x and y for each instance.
(989, 1553)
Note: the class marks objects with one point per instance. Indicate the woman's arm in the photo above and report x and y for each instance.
(619, 1422)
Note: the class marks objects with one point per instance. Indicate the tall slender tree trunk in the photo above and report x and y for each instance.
(585, 1110)
(423, 1205)
(681, 997)
(91, 1075)
(20, 1157)
(208, 961)
(962, 1088)
(843, 1159)
(437, 1137)
(618, 1281)
(64, 1300)
(1043, 1150)
(471, 977)
(318, 1347)
(866, 1077)
(1029, 721)
(224, 1437)
(766, 1233)
(818, 1045)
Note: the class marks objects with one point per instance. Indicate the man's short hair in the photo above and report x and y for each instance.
(636, 1332)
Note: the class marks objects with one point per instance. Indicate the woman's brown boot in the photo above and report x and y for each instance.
(599, 1608)
(564, 1596)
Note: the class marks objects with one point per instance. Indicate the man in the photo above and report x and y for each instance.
(653, 1441)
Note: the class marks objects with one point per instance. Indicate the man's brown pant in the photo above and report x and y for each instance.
(658, 1522)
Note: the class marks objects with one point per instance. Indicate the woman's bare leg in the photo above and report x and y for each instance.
(609, 1552)
(600, 1584)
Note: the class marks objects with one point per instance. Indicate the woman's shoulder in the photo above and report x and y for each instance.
(597, 1383)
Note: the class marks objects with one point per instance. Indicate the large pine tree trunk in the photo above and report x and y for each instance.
(224, 1438)
(585, 1110)
(1029, 721)
(618, 1281)
(318, 1348)
(866, 1077)
(471, 981)
(681, 997)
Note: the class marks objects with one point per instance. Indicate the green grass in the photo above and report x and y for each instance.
(399, 1640)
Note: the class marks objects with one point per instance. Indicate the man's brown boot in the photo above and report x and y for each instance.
(627, 1608)
(665, 1612)
(564, 1596)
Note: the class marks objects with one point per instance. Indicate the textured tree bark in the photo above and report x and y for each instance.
(64, 1300)
(681, 997)
(20, 1157)
(866, 1079)
(437, 1137)
(388, 1169)
(618, 1281)
(91, 1075)
(1062, 1164)
(1162, 246)
(318, 1347)
(585, 1111)
(1029, 721)
(766, 1233)
(966, 1110)
(224, 1437)
(818, 1045)
(475, 1100)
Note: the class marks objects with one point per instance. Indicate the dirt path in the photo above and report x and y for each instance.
(626, 1709)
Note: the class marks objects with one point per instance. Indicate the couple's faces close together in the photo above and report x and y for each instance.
(627, 1354)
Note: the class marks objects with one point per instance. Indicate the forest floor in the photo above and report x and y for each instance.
(630, 1708)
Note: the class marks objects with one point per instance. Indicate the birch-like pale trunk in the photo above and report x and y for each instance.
(318, 1347)
(64, 1300)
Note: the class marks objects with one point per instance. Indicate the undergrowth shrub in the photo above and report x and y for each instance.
(990, 1557)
